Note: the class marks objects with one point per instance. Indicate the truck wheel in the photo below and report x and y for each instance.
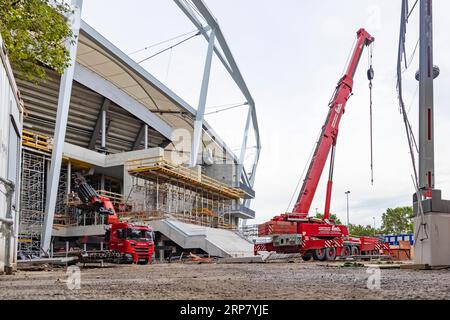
(330, 254)
(355, 251)
(346, 252)
(319, 254)
(307, 256)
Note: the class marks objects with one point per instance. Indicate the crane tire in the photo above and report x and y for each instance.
(330, 254)
(346, 252)
(307, 256)
(355, 251)
(319, 254)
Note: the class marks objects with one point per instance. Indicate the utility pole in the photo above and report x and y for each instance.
(427, 74)
(432, 214)
(348, 213)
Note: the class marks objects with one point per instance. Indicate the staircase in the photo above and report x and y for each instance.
(215, 242)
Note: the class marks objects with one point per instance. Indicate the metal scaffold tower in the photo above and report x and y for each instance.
(160, 199)
(32, 202)
(164, 190)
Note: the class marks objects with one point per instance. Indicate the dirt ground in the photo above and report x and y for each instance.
(219, 281)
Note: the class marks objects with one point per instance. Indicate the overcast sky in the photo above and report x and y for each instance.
(291, 54)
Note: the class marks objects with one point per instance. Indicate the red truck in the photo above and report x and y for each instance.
(131, 243)
(135, 243)
(321, 239)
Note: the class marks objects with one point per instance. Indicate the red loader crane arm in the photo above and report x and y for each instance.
(330, 130)
(89, 196)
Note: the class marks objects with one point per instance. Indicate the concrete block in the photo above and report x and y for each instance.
(433, 242)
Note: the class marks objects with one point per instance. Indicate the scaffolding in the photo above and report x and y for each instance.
(36, 141)
(159, 190)
(158, 168)
(32, 202)
(162, 190)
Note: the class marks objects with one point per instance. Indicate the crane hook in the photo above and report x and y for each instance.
(370, 74)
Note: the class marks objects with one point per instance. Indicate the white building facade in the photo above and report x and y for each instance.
(11, 113)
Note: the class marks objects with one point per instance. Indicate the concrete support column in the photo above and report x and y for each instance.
(161, 252)
(432, 222)
(69, 176)
(244, 144)
(104, 130)
(198, 124)
(145, 137)
(65, 92)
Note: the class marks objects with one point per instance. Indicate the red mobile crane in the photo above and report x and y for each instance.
(130, 243)
(321, 238)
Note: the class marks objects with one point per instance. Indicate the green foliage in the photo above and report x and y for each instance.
(359, 230)
(395, 221)
(34, 34)
(333, 217)
(398, 221)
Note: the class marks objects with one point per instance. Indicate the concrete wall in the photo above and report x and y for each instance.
(225, 173)
(10, 146)
(112, 160)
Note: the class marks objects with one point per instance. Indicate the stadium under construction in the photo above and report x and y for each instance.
(109, 120)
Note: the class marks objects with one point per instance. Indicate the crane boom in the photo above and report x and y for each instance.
(89, 196)
(329, 134)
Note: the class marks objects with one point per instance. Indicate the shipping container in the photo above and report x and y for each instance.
(394, 239)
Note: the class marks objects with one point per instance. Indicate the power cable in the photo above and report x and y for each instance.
(409, 133)
(225, 105)
(168, 65)
(304, 170)
(163, 42)
(226, 109)
(413, 99)
(411, 57)
(169, 48)
(412, 9)
(349, 55)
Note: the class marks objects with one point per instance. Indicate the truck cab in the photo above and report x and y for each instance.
(135, 243)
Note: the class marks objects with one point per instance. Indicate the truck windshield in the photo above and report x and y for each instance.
(136, 234)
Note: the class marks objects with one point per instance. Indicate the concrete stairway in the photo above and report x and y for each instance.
(216, 242)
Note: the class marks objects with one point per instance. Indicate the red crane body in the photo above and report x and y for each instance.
(330, 132)
(320, 238)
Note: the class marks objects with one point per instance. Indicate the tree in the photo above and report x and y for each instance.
(34, 33)
(359, 230)
(398, 221)
(333, 217)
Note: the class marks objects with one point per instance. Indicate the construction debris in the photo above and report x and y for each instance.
(264, 257)
(44, 263)
(198, 259)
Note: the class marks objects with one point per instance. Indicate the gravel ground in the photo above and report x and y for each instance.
(219, 281)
